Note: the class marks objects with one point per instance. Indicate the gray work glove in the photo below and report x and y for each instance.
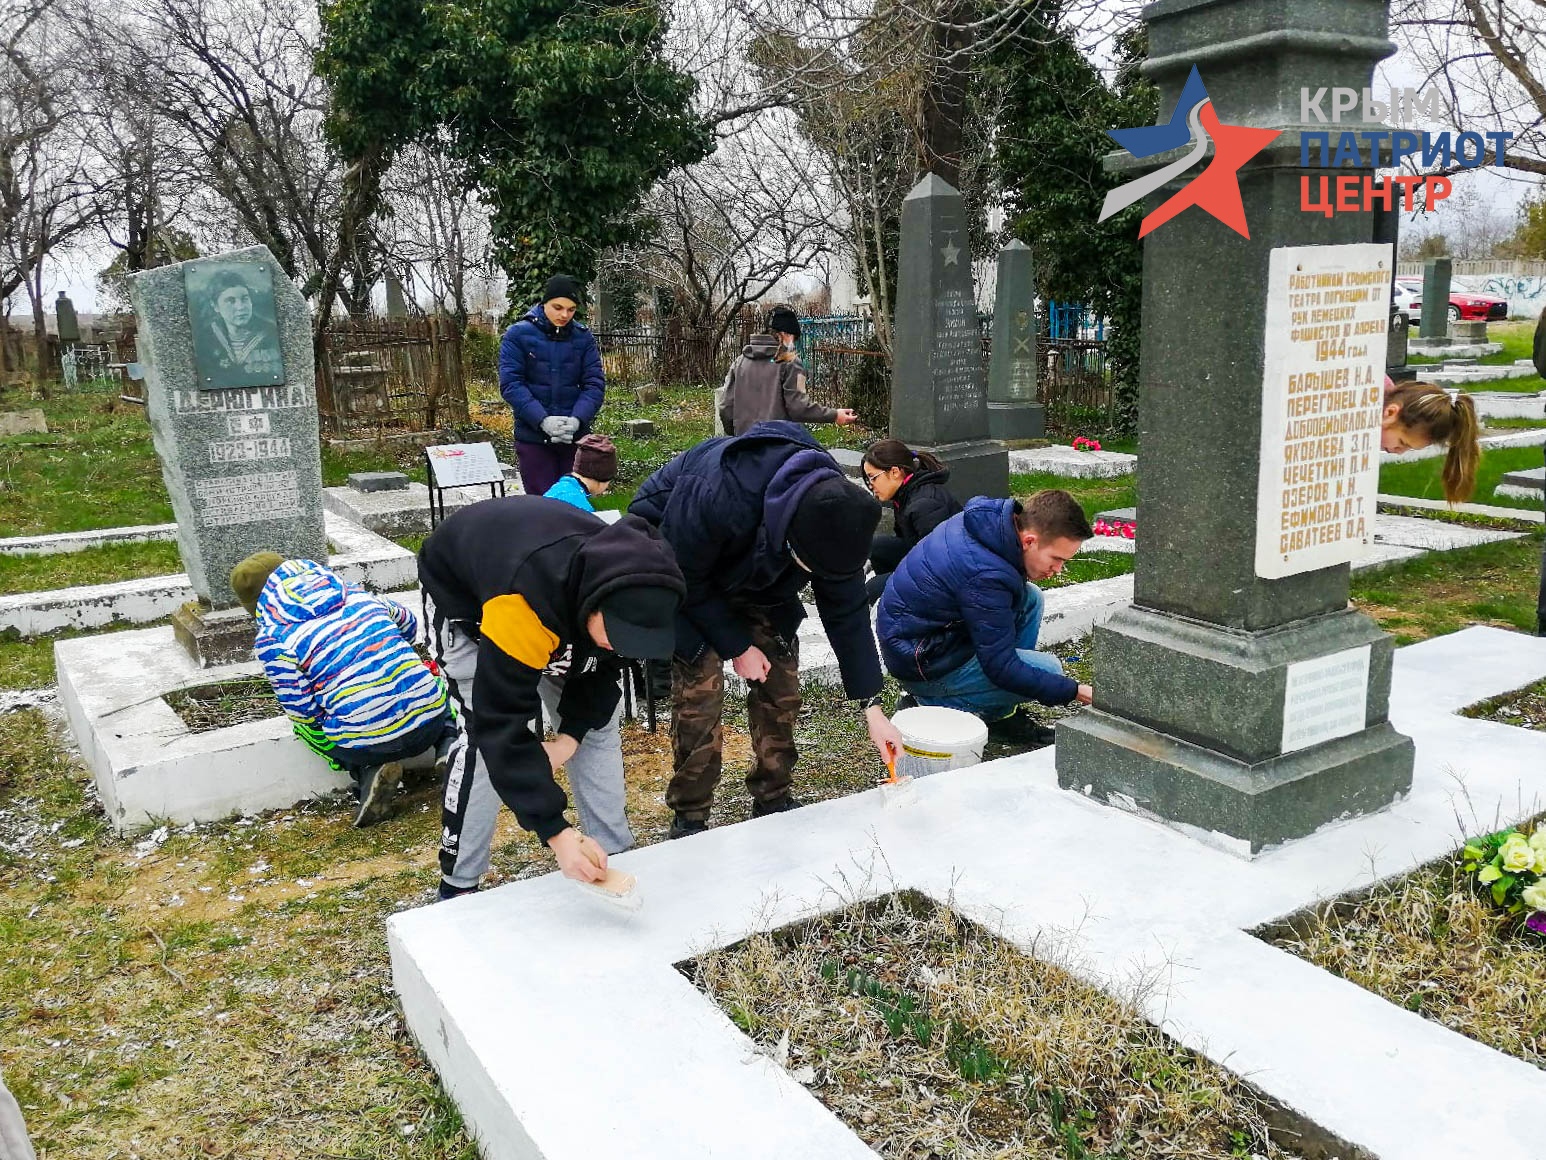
(560, 428)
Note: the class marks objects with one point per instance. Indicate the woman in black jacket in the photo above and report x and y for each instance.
(912, 482)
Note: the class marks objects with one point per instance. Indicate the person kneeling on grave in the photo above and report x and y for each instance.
(529, 604)
(343, 668)
(752, 518)
(959, 620)
(595, 466)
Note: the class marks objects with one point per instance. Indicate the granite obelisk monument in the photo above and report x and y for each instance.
(1240, 696)
(939, 393)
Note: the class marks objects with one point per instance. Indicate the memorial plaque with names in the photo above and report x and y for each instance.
(1323, 382)
(242, 463)
(1325, 698)
(464, 464)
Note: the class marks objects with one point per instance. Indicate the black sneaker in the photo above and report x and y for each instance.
(685, 827)
(906, 701)
(1020, 728)
(377, 786)
(448, 891)
(443, 754)
(777, 806)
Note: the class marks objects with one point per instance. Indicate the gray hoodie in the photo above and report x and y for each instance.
(758, 388)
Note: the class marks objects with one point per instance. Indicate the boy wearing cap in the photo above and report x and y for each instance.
(342, 666)
(513, 586)
(550, 374)
(752, 519)
(767, 382)
(595, 467)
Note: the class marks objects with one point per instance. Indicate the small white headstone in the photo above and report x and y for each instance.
(1327, 314)
(1325, 698)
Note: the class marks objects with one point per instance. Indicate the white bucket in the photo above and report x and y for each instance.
(935, 739)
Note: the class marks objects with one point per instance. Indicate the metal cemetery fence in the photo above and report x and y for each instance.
(378, 376)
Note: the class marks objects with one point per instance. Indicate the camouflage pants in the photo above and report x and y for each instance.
(698, 736)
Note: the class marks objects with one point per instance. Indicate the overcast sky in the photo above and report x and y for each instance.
(76, 272)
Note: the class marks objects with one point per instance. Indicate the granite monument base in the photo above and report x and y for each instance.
(214, 636)
(1017, 420)
(980, 467)
(1192, 723)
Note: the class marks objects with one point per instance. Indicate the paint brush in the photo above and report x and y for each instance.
(616, 889)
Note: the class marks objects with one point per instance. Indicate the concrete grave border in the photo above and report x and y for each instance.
(360, 556)
(563, 1031)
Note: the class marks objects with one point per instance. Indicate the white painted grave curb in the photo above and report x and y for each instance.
(529, 1003)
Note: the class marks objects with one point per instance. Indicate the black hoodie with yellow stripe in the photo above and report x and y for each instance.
(523, 573)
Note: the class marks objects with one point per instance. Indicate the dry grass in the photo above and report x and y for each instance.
(1429, 942)
(224, 703)
(223, 990)
(930, 1037)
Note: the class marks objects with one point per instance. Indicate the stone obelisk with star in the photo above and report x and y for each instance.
(1248, 706)
(939, 393)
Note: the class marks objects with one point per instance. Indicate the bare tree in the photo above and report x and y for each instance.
(46, 197)
(733, 226)
(237, 79)
(1487, 59)
(436, 233)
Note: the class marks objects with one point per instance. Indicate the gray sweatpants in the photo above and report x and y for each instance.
(14, 1144)
(471, 805)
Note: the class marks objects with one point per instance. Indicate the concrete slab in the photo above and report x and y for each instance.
(1445, 348)
(402, 511)
(148, 766)
(1458, 376)
(1503, 405)
(1433, 535)
(488, 982)
(360, 556)
(1533, 478)
(57, 543)
(1074, 464)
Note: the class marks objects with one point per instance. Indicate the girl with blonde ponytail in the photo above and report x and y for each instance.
(1418, 415)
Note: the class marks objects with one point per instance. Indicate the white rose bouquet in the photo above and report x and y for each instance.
(1511, 865)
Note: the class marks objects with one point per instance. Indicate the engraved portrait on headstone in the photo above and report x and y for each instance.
(235, 331)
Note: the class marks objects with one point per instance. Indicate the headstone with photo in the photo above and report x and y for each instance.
(1013, 412)
(226, 351)
(1240, 696)
(939, 393)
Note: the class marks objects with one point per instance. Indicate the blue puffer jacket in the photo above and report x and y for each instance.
(725, 507)
(956, 594)
(544, 370)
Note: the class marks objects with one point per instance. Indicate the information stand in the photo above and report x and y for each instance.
(461, 465)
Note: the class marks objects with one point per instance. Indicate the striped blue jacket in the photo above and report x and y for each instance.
(340, 660)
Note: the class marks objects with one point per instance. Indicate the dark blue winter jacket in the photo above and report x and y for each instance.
(725, 507)
(545, 370)
(955, 595)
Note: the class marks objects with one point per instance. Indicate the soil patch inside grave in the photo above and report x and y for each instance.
(929, 1037)
(1525, 708)
(225, 703)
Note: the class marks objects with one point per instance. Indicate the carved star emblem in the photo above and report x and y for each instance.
(952, 253)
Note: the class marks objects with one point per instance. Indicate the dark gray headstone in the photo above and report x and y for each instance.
(1013, 412)
(639, 428)
(1206, 686)
(396, 300)
(1396, 340)
(1436, 278)
(69, 325)
(378, 481)
(939, 393)
(242, 464)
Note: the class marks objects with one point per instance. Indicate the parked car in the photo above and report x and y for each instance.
(1463, 304)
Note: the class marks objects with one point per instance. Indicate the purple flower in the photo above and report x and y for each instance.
(1537, 922)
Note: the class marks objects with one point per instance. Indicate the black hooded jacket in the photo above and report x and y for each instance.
(523, 573)
(922, 504)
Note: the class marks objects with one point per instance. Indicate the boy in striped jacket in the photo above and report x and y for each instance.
(342, 666)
